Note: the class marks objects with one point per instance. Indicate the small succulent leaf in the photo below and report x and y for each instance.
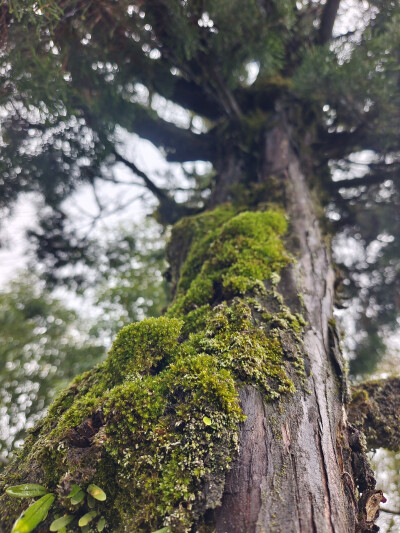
(207, 421)
(60, 523)
(91, 501)
(74, 490)
(78, 497)
(87, 518)
(101, 523)
(97, 492)
(35, 514)
(28, 490)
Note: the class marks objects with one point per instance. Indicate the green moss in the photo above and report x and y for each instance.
(251, 353)
(139, 347)
(160, 417)
(203, 230)
(162, 446)
(233, 258)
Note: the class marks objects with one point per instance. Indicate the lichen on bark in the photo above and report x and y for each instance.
(156, 425)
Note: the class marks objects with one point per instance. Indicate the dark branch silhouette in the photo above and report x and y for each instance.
(328, 20)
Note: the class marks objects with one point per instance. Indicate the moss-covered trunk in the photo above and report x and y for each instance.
(228, 413)
(294, 468)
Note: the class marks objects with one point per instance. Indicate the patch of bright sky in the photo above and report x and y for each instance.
(14, 252)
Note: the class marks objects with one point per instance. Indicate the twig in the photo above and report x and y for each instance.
(159, 193)
(389, 511)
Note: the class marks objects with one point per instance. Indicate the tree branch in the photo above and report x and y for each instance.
(160, 194)
(169, 211)
(190, 96)
(389, 511)
(181, 145)
(375, 410)
(368, 179)
(327, 21)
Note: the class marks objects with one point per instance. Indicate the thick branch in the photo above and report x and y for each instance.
(375, 409)
(328, 20)
(190, 96)
(182, 145)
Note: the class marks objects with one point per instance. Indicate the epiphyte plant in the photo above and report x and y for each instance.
(88, 500)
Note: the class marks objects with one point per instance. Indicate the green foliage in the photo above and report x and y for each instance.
(214, 30)
(61, 522)
(371, 63)
(34, 10)
(342, 94)
(129, 277)
(45, 344)
(37, 512)
(56, 135)
(34, 515)
(42, 348)
(120, 270)
(97, 493)
(87, 518)
(28, 490)
(168, 391)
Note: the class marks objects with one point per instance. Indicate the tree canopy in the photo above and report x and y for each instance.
(74, 74)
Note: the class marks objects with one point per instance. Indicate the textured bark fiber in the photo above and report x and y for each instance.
(294, 472)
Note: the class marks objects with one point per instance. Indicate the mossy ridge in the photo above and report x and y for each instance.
(233, 257)
(164, 381)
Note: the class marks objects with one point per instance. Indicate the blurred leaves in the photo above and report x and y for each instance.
(131, 285)
(42, 347)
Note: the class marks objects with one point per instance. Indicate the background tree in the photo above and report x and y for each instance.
(319, 98)
(42, 348)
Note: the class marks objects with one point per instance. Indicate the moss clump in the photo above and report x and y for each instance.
(164, 449)
(157, 424)
(237, 342)
(140, 347)
(234, 258)
(375, 410)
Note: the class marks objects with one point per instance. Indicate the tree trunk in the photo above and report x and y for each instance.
(299, 461)
(289, 474)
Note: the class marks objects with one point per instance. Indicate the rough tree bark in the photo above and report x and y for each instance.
(295, 470)
(301, 466)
